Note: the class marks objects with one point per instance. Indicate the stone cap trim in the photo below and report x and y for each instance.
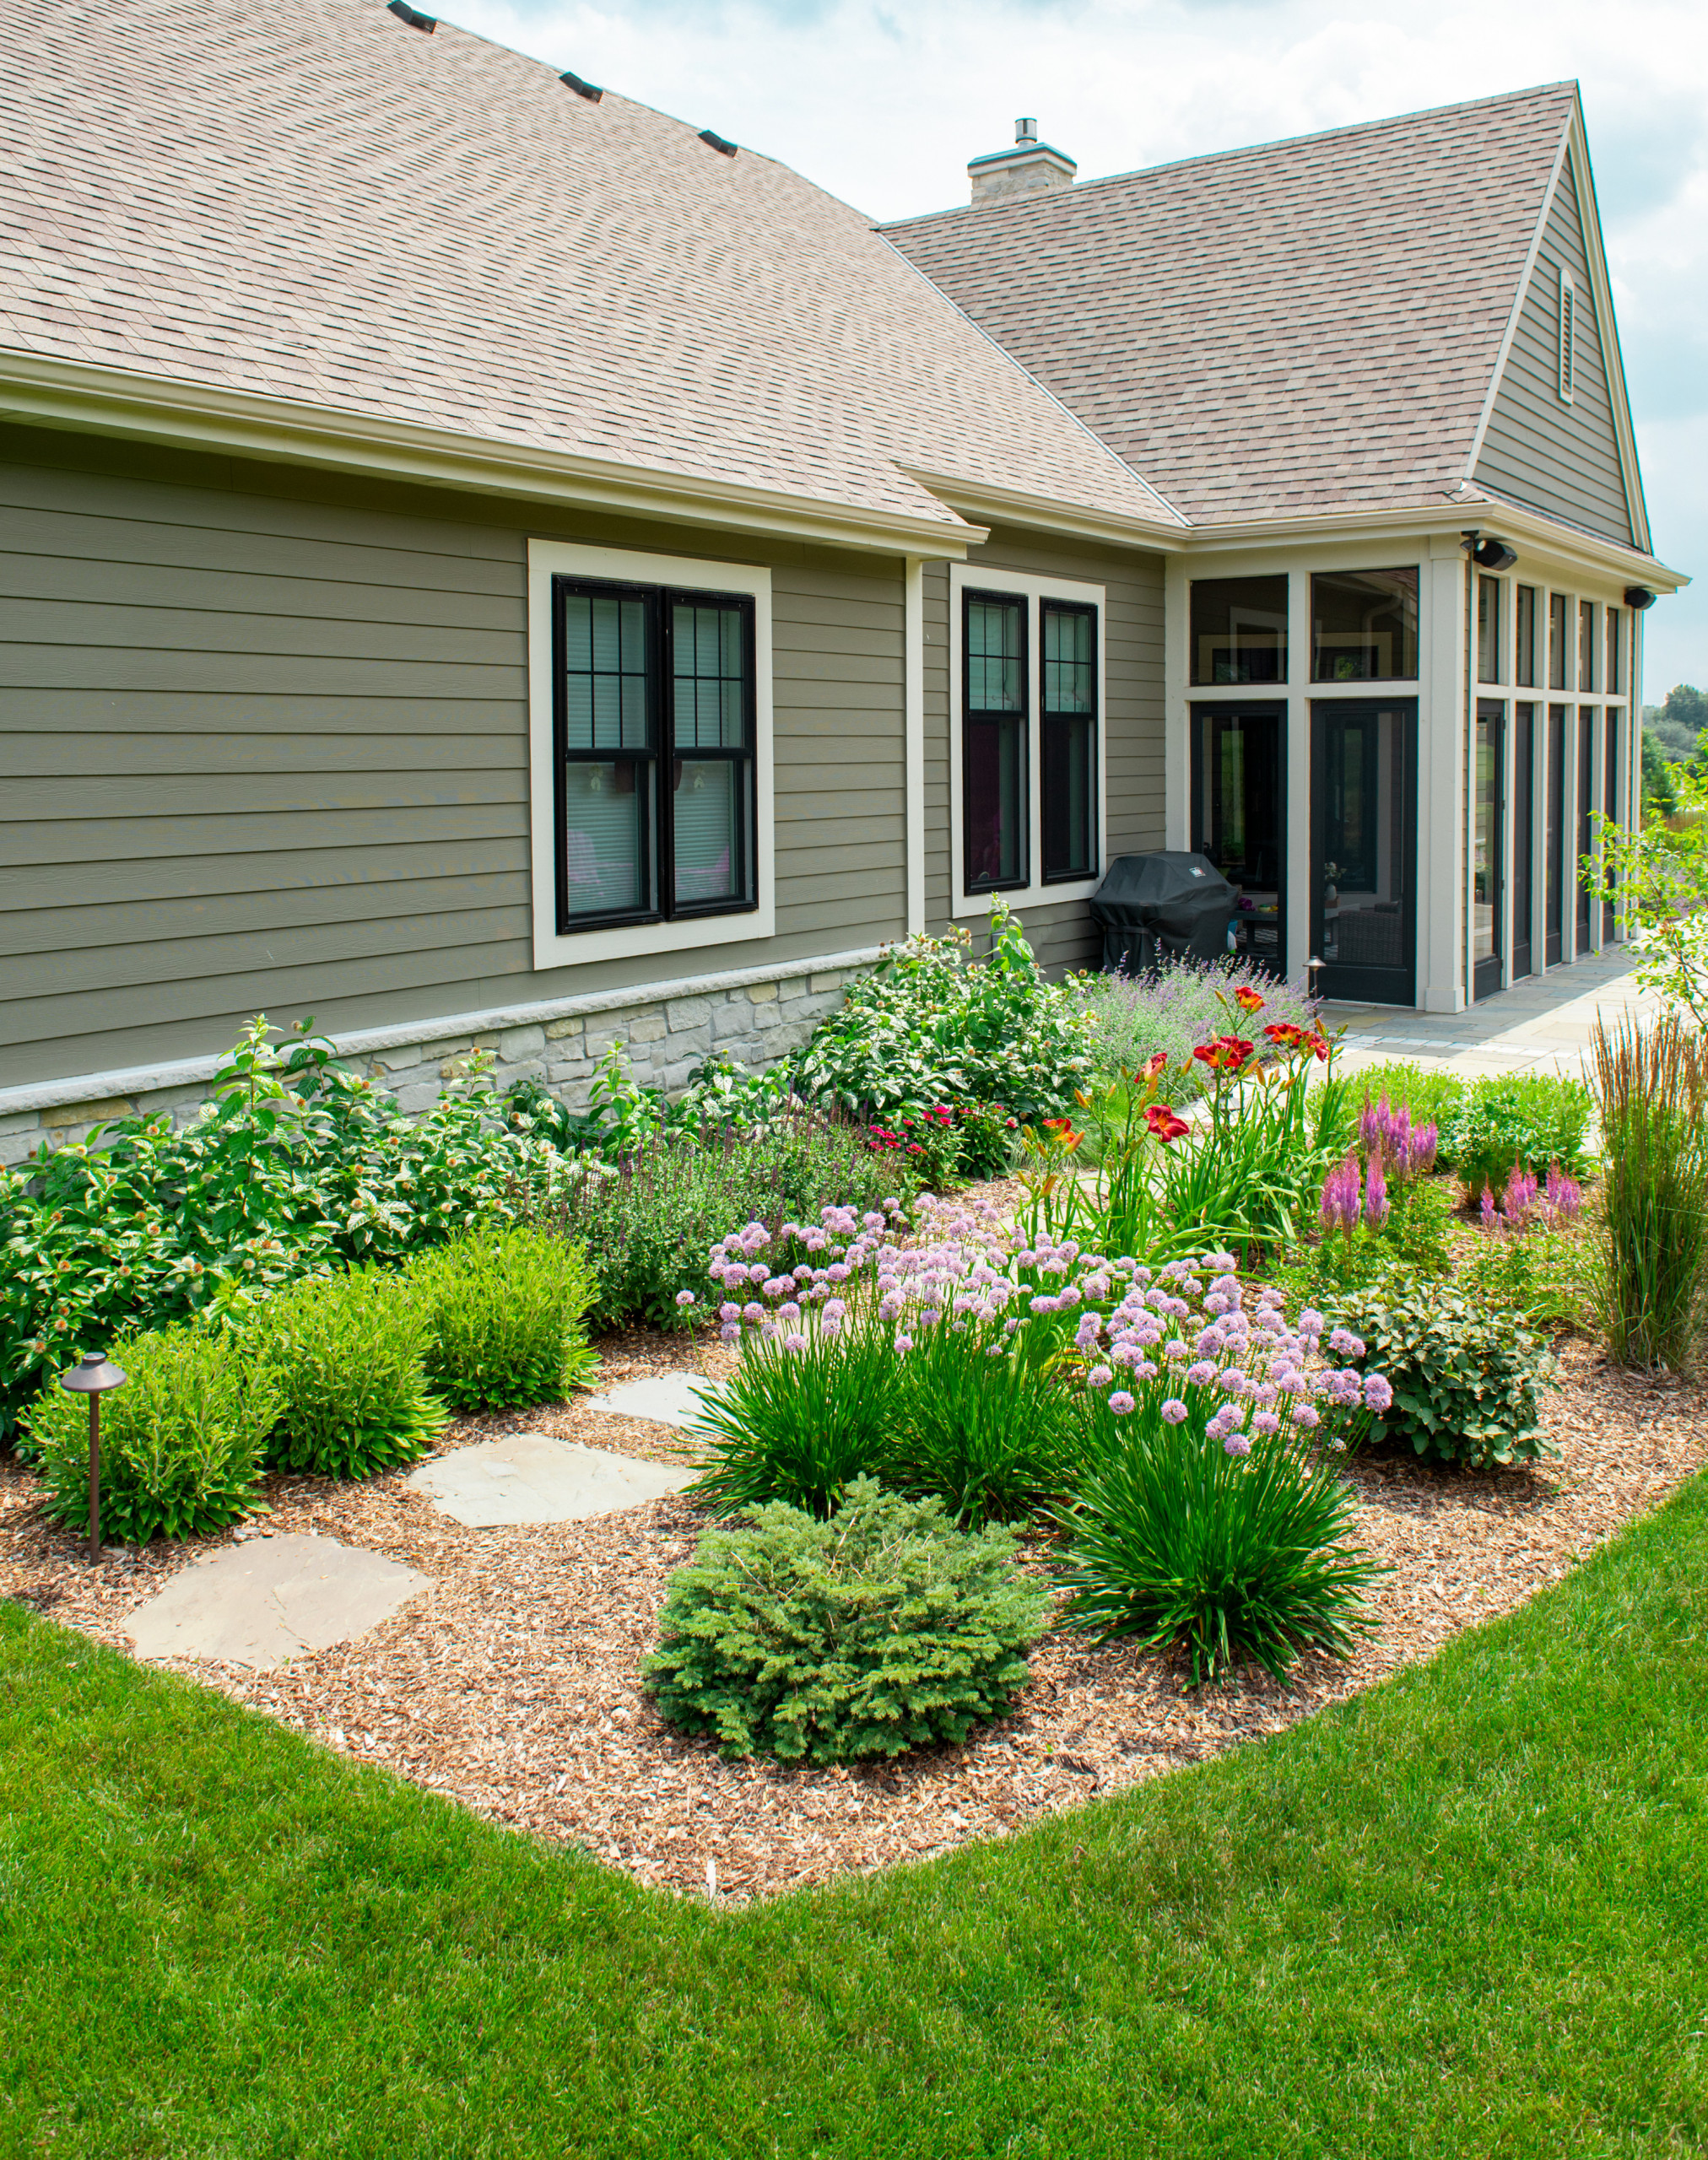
(145, 1079)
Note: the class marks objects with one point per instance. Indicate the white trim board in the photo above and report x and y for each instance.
(963, 904)
(550, 558)
(446, 1027)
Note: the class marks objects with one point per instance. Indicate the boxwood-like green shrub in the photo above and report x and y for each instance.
(346, 1353)
(881, 1629)
(504, 1308)
(1468, 1383)
(180, 1443)
(1522, 1120)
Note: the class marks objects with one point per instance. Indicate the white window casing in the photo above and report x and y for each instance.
(1034, 590)
(550, 558)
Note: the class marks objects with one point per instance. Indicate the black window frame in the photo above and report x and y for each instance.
(970, 886)
(1048, 604)
(657, 830)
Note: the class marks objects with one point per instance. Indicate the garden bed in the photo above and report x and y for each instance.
(510, 1685)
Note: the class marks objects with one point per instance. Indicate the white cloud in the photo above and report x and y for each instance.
(884, 104)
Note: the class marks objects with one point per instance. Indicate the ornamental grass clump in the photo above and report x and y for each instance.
(882, 1629)
(1649, 1277)
(346, 1353)
(180, 1443)
(503, 1311)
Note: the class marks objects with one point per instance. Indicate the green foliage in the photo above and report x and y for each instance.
(947, 1143)
(800, 1425)
(503, 1309)
(980, 1427)
(1659, 789)
(932, 1025)
(345, 1351)
(1539, 1273)
(1467, 1384)
(1175, 1542)
(624, 1116)
(180, 1443)
(1529, 1120)
(1676, 725)
(1649, 1278)
(295, 1165)
(1657, 879)
(1416, 1234)
(1174, 1009)
(882, 1629)
(647, 1229)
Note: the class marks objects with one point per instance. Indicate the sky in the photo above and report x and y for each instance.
(883, 101)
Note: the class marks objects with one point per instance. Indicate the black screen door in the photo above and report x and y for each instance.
(1364, 848)
(1555, 909)
(1523, 837)
(1239, 819)
(1489, 849)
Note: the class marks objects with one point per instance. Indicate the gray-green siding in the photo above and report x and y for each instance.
(1132, 631)
(1561, 459)
(266, 749)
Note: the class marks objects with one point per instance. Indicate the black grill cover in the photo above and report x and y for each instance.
(1168, 905)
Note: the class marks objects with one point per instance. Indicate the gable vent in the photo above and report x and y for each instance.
(413, 16)
(1568, 336)
(591, 91)
(717, 143)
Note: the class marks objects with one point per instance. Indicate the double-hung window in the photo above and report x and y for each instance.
(1029, 673)
(650, 734)
(654, 728)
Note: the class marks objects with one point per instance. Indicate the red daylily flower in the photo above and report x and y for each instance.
(1285, 1033)
(1156, 1064)
(1318, 1042)
(1249, 1000)
(1227, 1054)
(1164, 1124)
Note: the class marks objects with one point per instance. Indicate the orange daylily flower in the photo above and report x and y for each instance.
(1249, 1000)
(1226, 1054)
(1165, 1123)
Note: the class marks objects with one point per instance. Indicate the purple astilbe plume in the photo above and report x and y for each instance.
(1376, 1195)
(1565, 1195)
(1340, 1196)
(1486, 1209)
(1420, 1155)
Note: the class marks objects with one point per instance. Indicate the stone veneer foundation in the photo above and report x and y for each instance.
(755, 1015)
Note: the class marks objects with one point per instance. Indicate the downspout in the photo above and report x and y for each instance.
(913, 740)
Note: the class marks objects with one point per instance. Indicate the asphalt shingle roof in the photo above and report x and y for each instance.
(313, 201)
(1306, 325)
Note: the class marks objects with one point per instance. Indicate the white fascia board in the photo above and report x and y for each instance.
(993, 506)
(47, 392)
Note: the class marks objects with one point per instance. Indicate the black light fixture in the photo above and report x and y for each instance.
(591, 91)
(717, 143)
(1639, 596)
(93, 1377)
(1492, 554)
(413, 16)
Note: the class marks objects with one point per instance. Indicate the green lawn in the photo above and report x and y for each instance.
(1465, 1915)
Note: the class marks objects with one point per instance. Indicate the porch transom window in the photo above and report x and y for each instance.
(1363, 626)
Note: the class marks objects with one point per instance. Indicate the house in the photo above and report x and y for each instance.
(487, 563)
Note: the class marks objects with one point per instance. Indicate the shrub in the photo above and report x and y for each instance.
(1184, 1003)
(647, 1229)
(931, 1025)
(180, 1443)
(1525, 1121)
(294, 1164)
(503, 1311)
(1177, 1539)
(1428, 1095)
(722, 1096)
(948, 1142)
(882, 1629)
(800, 1425)
(1649, 1276)
(1467, 1384)
(346, 1351)
(979, 1427)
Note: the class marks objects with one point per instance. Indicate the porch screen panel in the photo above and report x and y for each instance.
(605, 774)
(1586, 612)
(1524, 608)
(1239, 629)
(1615, 680)
(1363, 626)
(711, 733)
(1610, 803)
(1585, 819)
(1559, 633)
(1068, 744)
(994, 806)
(1488, 629)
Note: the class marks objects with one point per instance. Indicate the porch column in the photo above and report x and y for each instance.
(1443, 805)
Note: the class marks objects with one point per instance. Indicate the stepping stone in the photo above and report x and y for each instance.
(670, 1399)
(271, 1599)
(531, 1477)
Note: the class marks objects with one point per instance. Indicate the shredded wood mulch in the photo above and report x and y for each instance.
(511, 1682)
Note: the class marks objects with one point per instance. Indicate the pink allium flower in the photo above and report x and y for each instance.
(1266, 1421)
(1237, 1443)
(1378, 1395)
(1175, 1410)
(731, 1331)
(1099, 1376)
(1201, 1374)
(753, 1312)
(796, 1342)
(1307, 1416)
(1120, 1403)
(904, 1343)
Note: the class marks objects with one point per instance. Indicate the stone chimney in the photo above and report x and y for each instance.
(1031, 168)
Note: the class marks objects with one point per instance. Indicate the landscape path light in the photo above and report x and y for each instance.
(96, 1375)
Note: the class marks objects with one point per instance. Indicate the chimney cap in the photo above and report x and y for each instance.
(1025, 131)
